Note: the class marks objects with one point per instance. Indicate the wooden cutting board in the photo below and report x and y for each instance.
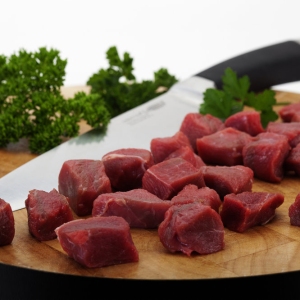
(273, 248)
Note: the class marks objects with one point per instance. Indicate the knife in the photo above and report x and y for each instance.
(160, 117)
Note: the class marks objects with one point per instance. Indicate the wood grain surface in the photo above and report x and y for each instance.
(269, 249)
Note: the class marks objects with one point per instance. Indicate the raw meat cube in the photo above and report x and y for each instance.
(7, 223)
(204, 195)
(196, 125)
(138, 207)
(223, 147)
(246, 121)
(82, 181)
(46, 211)
(294, 211)
(288, 112)
(98, 241)
(265, 155)
(245, 210)
(192, 227)
(291, 130)
(292, 162)
(126, 167)
(189, 155)
(163, 147)
(227, 179)
(168, 177)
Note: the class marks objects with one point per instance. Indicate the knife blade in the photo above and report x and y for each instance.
(159, 117)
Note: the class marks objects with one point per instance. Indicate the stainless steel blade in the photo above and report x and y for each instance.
(160, 117)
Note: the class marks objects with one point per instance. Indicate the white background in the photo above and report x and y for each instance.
(184, 36)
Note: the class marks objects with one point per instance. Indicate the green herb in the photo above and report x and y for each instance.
(32, 106)
(118, 87)
(234, 96)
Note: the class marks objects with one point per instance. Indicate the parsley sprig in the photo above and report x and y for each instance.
(234, 96)
(32, 106)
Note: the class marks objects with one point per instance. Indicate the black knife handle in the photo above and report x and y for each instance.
(265, 67)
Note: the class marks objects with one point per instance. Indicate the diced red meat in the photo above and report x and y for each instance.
(46, 211)
(246, 121)
(204, 195)
(291, 130)
(125, 168)
(138, 207)
(292, 162)
(192, 227)
(296, 117)
(161, 147)
(168, 177)
(223, 147)
(196, 125)
(265, 155)
(294, 211)
(248, 209)
(189, 155)
(98, 241)
(227, 179)
(82, 181)
(287, 113)
(7, 223)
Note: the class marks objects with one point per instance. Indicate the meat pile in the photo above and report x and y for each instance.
(188, 187)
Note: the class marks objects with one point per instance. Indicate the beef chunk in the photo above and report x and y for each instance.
(294, 211)
(7, 223)
(46, 211)
(125, 168)
(204, 195)
(138, 207)
(245, 210)
(223, 147)
(192, 227)
(291, 130)
(82, 181)
(168, 177)
(196, 125)
(189, 155)
(292, 162)
(98, 241)
(227, 179)
(265, 155)
(246, 121)
(289, 113)
(164, 146)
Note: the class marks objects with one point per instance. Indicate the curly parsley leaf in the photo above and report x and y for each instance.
(234, 96)
(32, 106)
(119, 88)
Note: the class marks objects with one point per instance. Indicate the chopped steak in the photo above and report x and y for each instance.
(196, 125)
(82, 181)
(204, 195)
(227, 179)
(98, 241)
(46, 211)
(246, 121)
(192, 227)
(189, 155)
(291, 130)
(223, 147)
(245, 210)
(138, 207)
(294, 211)
(289, 113)
(163, 147)
(7, 223)
(266, 154)
(126, 167)
(168, 177)
(292, 162)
